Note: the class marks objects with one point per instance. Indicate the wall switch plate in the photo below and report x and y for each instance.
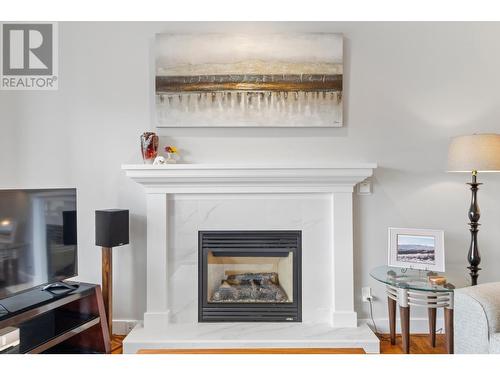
(366, 293)
(365, 187)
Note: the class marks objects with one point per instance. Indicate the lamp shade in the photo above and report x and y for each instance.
(477, 152)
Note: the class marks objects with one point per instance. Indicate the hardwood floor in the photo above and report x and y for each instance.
(116, 344)
(419, 344)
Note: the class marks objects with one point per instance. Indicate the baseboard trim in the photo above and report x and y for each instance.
(417, 325)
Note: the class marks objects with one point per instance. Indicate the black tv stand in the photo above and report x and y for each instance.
(69, 322)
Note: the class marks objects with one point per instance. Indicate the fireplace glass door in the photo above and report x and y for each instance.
(249, 276)
(250, 279)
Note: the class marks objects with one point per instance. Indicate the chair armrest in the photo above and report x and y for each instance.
(477, 317)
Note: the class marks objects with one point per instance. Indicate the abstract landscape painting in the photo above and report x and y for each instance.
(416, 249)
(221, 80)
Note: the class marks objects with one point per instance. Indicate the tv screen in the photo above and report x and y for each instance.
(37, 238)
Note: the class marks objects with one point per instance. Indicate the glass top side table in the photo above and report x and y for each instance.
(409, 287)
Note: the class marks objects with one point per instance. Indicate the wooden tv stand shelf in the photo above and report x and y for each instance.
(72, 322)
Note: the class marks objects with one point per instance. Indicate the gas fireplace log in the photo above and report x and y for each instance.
(250, 288)
(258, 278)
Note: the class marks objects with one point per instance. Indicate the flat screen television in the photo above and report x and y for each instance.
(38, 243)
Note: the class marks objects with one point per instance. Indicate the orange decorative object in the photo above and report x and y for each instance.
(149, 147)
(171, 149)
(437, 280)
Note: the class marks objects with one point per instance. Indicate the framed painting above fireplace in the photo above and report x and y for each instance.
(257, 80)
(249, 276)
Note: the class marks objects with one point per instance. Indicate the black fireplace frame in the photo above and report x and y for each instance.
(261, 243)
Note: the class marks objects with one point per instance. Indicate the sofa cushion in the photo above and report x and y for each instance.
(488, 297)
(471, 325)
(495, 343)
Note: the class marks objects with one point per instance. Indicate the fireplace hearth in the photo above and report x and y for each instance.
(249, 276)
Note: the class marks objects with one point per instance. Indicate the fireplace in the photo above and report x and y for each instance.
(184, 199)
(249, 276)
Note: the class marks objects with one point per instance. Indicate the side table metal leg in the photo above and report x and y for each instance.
(404, 313)
(392, 319)
(448, 322)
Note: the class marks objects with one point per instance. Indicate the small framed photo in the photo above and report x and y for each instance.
(421, 249)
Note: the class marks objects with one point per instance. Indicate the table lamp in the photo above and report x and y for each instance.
(472, 154)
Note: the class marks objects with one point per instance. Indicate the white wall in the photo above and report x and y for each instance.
(408, 88)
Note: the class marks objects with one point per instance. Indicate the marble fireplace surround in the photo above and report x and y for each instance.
(169, 185)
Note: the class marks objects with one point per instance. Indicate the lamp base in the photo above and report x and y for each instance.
(474, 214)
(474, 274)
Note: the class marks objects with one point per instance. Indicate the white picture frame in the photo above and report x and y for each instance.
(421, 249)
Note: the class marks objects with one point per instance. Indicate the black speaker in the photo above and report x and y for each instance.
(111, 228)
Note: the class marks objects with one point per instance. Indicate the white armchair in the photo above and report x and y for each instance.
(477, 319)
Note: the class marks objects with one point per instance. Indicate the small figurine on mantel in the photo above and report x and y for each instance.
(159, 160)
(172, 154)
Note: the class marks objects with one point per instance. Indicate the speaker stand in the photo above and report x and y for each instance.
(107, 285)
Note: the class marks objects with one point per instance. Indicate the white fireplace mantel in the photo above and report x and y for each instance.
(337, 179)
(245, 178)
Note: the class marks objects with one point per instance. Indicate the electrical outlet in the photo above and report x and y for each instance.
(366, 294)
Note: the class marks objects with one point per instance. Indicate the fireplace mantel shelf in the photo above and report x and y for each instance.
(178, 178)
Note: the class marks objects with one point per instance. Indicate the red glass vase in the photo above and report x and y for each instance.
(149, 147)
